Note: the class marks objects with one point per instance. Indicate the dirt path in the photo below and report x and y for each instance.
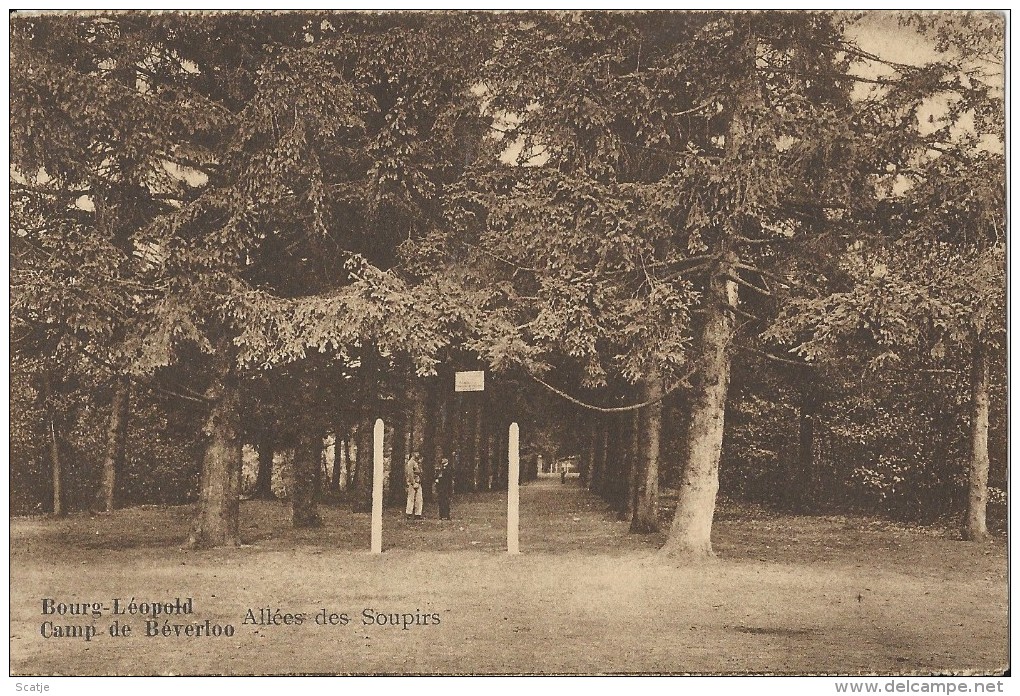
(789, 594)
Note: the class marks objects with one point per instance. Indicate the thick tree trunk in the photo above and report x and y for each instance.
(976, 527)
(306, 471)
(691, 532)
(646, 506)
(116, 439)
(361, 498)
(264, 477)
(216, 523)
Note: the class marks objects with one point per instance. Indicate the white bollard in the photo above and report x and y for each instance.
(513, 497)
(377, 488)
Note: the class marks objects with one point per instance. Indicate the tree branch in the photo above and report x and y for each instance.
(741, 312)
(688, 271)
(49, 191)
(747, 240)
(739, 281)
(190, 396)
(835, 76)
(763, 273)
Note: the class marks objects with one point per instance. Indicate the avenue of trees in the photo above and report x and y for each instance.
(694, 250)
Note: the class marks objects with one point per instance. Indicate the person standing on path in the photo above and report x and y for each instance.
(444, 488)
(414, 492)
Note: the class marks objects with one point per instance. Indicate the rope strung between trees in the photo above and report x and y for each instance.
(613, 409)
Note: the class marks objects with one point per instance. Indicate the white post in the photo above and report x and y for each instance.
(377, 488)
(513, 498)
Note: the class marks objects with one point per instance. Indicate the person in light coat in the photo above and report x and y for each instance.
(415, 500)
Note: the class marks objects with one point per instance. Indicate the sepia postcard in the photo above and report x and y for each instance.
(509, 343)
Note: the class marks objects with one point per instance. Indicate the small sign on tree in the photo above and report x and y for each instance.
(470, 381)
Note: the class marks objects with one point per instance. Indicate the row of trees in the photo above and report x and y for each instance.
(288, 222)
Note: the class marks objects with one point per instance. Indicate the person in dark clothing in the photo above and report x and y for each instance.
(444, 488)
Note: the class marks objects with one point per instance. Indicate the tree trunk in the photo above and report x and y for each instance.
(467, 440)
(622, 500)
(610, 470)
(646, 506)
(56, 464)
(361, 498)
(633, 468)
(501, 462)
(398, 457)
(55, 461)
(625, 464)
(352, 462)
(116, 438)
(798, 494)
(476, 448)
(611, 480)
(306, 472)
(418, 420)
(339, 442)
(216, 523)
(976, 527)
(264, 478)
(440, 424)
(588, 460)
(691, 532)
(416, 439)
(485, 475)
(455, 448)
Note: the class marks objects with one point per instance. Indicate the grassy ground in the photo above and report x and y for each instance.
(788, 595)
